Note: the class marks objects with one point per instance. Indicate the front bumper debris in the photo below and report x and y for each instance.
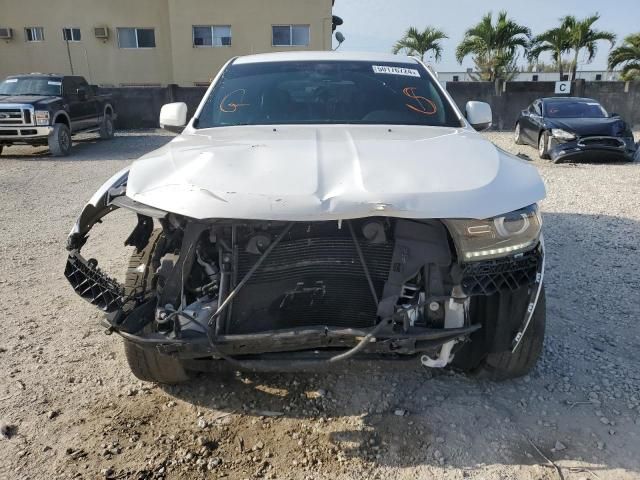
(506, 273)
(592, 149)
(92, 284)
(305, 338)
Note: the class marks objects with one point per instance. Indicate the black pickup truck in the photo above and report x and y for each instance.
(46, 109)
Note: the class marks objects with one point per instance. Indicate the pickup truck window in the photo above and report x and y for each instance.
(44, 86)
(70, 85)
(326, 92)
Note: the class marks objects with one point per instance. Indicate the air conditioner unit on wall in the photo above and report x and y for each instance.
(101, 32)
(6, 33)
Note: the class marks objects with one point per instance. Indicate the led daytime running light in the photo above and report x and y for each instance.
(498, 251)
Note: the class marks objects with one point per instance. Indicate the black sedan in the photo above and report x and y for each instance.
(572, 129)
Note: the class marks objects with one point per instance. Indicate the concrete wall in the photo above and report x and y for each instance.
(507, 100)
(587, 75)
(173, 60)
(140, 107)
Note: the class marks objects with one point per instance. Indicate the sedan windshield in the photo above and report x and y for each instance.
(568, 109)
(43, 86)
(326, 92)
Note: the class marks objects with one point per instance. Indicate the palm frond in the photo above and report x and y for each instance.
(628, 52)
(415, 42)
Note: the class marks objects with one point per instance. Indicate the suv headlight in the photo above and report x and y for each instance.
(42, 117)
(514, 232)
(562, 134)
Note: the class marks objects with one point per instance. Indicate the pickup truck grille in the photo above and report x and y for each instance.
(16, 115)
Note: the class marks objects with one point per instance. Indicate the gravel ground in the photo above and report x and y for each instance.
(70, 408)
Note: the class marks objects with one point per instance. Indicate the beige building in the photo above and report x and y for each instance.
(153, 42)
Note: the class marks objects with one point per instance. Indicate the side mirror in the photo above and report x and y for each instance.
(81, 93)
(479, 115)
(614, 115)
(173, 116)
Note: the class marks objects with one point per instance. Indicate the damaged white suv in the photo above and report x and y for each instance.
(317, 207)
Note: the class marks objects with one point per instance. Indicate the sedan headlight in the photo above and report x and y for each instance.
(42, 117)
(508, 234)
(562, 134)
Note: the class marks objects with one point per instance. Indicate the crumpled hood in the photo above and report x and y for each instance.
(330, 172)
(613, 126)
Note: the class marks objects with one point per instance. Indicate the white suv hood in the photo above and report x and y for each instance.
(333, 172)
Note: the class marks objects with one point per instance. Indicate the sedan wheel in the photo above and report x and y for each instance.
(543, 144)
(516, 136)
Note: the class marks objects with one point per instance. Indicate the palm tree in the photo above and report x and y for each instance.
(583, 36)
(627, 54)
(557, 41)
(494, 47)
(419, 43)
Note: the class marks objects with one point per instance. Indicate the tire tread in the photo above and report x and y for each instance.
(506, 365)
(148, 364)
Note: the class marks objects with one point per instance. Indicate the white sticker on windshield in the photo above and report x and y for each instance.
(12, 80)
(407, 72)
(57, 84)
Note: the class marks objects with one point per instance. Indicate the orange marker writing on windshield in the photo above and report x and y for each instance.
(424, 106)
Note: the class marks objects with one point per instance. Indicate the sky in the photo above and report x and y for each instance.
(375, 25)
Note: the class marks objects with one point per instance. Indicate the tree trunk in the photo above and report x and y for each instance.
(574, 70)
(560, 66)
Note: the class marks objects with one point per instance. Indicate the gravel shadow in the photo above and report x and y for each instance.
(89, 147)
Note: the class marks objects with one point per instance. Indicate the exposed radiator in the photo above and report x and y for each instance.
(311, 281)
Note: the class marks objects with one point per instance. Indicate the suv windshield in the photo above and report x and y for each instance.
(326, 92)
(44, 86)
(567, 109)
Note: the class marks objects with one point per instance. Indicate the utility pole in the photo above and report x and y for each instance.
(69, 55)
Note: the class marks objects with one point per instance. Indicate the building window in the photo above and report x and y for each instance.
(456, 78)
(34, 34)
(71, 34)
(535, 78)
(136, 38)
(290, 35)
(212, 36)
(598, 77)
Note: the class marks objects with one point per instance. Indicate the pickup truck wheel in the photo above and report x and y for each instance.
(506, 365)
(149, 364)
(106, 127)
(60, 140)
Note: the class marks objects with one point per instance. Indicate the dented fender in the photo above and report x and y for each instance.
(109, 197)
(98, 206)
